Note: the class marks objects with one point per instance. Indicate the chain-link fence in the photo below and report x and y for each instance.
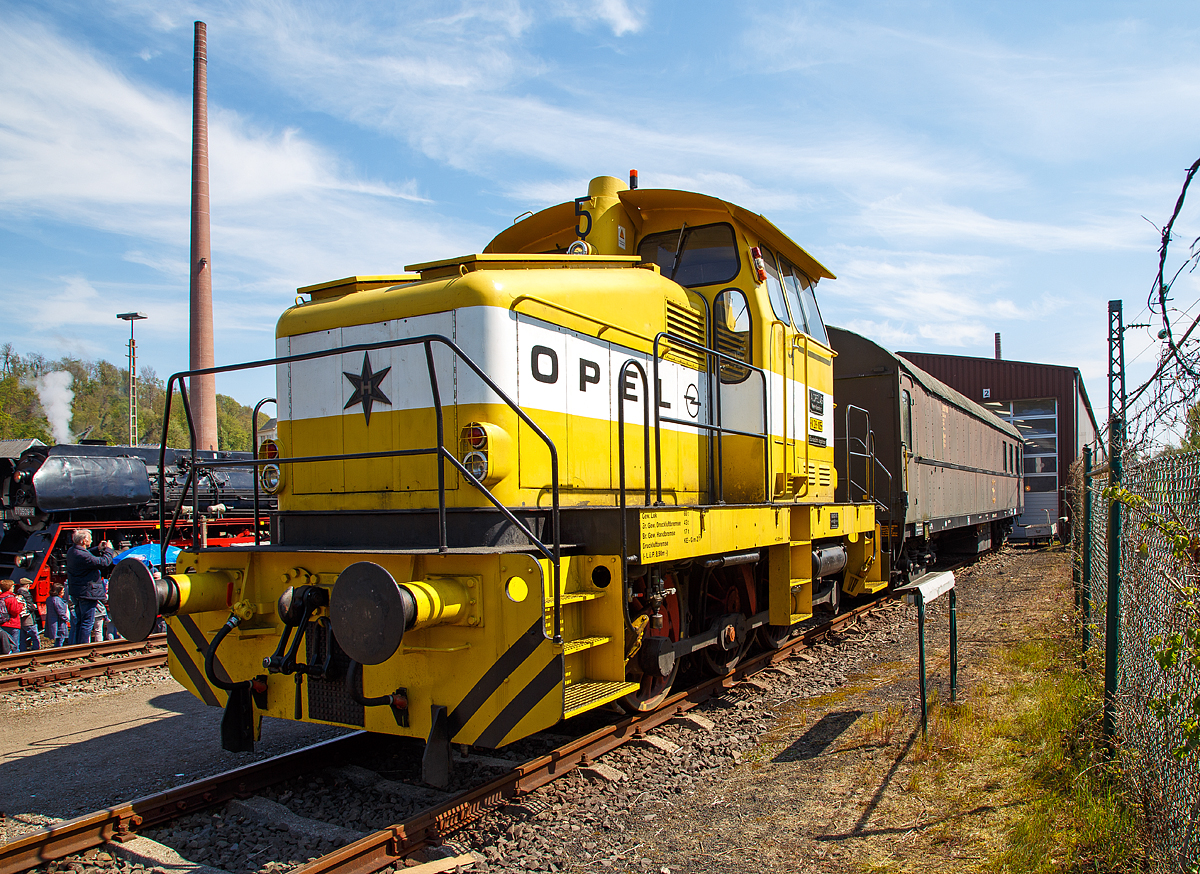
(1158, 696)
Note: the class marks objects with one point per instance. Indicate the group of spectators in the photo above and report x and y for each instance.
(81, 617)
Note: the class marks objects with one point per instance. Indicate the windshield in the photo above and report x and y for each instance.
(707, 256)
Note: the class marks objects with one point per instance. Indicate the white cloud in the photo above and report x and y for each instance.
(896, 216)
(616, 15)
(902, 299)
(1061, 88)
(84, 145)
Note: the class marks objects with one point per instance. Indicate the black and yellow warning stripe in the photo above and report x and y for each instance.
(543, 683)
(189, 648)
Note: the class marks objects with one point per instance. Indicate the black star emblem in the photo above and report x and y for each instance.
(366, 387)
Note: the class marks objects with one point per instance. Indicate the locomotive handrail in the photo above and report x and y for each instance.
(254, 425)
(555, 306)
(887, 473)
(867, 454)
(621, 454)
(552, 552)
(719, 429)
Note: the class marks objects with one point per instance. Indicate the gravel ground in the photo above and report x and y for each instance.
(786, 778)
(52, 694)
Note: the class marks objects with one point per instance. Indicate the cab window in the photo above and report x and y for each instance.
(707, 254)
(731, 316)
(775, 286)
(816, 326)
(795, 294)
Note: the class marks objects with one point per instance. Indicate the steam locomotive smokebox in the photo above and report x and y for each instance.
(67, 482)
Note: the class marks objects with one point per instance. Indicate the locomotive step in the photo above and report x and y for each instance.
(587, 694)
(573, 598)
(573, 646)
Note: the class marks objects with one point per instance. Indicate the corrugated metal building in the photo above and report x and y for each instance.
(1046, 402)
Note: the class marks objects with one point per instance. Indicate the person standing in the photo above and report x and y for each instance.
(58, 617)
(10, 618)
(110, 630)
(30, 638)
(85, 580)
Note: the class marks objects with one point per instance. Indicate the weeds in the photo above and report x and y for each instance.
(881, 726)
(1027, 737)
(1082, 816)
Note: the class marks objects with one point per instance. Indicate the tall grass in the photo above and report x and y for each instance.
(1080, 815)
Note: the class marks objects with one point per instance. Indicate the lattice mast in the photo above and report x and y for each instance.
(1116, 445)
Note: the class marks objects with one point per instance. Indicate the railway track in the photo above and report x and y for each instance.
(426, 828)
(44, 666)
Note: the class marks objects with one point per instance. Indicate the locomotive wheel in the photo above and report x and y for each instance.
(772, 637)
(719, 662)
(722, 595)
(653, 692)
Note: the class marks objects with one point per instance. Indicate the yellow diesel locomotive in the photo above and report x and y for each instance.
(521, 484)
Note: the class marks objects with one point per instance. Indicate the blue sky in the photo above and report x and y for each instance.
(963, 168)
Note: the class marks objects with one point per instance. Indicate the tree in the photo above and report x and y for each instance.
(1191, 429)
(100, 406)
(21, 413)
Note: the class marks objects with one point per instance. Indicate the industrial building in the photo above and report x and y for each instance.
(1049, 406)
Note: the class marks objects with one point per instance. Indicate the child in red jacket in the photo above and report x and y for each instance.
(11, 608)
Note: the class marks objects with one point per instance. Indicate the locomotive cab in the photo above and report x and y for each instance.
(524, 483)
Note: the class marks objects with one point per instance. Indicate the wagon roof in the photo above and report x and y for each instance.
(935, 386)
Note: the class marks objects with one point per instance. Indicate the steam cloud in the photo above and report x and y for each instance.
(55, 392)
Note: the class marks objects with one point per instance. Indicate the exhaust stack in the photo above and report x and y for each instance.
(202, 390)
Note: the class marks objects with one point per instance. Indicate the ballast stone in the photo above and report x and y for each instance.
(151, 854)
(273, 813)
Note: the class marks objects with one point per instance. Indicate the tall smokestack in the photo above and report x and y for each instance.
(202, 389)
(997, 345)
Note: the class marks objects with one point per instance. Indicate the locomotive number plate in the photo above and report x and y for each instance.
(816, 425)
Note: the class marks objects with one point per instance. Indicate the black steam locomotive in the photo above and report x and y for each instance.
(47, 491)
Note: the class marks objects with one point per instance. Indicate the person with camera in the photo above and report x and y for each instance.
(85, 580)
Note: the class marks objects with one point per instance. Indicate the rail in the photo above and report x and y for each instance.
(144, 656)
(52, 655)
(552, 551)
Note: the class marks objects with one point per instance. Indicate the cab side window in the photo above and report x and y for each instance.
(731, 317)
(812, 315)
(795, 294)
(775, 286)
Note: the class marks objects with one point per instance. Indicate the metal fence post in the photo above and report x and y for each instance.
(1112, 621)
(921, 656)
(953, 645)
(1085, 584)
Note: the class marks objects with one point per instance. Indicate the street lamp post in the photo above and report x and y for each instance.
(133, 425)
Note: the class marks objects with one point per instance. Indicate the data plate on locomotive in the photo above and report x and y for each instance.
(669, 534)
